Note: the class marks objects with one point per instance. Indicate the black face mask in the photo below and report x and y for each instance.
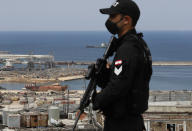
(112, 27)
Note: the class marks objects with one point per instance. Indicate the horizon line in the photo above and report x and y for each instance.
(79, 30)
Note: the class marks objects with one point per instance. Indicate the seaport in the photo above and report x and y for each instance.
(44, 104)
(23, 68)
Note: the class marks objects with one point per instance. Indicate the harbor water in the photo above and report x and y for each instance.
(71, 46)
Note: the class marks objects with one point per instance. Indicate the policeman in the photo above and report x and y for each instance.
(125, 85)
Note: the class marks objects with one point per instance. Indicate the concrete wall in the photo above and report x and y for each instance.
(170, 96)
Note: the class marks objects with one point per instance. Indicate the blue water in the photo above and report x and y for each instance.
(71, 46)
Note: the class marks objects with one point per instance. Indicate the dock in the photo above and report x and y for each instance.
(172, 63)
(155, 63)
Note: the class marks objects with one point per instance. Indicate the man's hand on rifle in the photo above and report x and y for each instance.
(95, 106)
(103, 76)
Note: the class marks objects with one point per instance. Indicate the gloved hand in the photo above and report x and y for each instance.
(93, 100)
(103, 75)
(100, 64)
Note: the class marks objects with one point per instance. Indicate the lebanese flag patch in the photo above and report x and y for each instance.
(118, 67)
(118, 62)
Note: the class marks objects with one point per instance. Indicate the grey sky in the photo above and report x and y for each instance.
(84, 14)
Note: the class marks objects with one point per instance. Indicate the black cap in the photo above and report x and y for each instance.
(127, 7)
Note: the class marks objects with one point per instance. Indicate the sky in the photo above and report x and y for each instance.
(84, 15)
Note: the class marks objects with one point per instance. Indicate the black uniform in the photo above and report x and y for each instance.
(124, 96)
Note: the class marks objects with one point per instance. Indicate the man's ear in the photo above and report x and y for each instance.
(128, 20)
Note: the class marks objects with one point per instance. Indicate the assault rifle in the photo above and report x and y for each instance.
(93, 71)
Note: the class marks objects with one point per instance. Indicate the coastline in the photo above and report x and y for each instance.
(39, 80)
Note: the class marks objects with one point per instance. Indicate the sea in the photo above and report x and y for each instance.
(71, 46)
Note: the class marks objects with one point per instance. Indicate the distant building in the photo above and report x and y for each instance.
(169, 111)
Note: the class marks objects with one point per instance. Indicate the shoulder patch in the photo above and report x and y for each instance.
(118, 67)
(117, 71)
(118, 62)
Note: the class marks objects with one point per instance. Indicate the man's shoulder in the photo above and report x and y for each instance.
(129, 45)
(131, 39)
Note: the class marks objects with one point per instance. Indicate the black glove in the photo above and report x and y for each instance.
(103, 75)
(93, 100)
(100, 65)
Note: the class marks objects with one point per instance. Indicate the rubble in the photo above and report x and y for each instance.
(45, 75)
